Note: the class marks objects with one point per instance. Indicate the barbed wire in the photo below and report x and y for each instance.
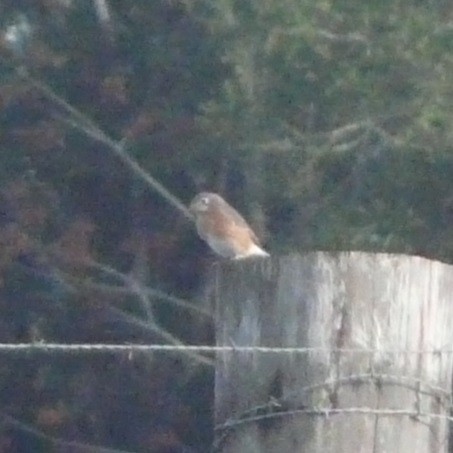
(134, 347)
(323, 412)
(327, 411)
(275, 409)
(418, 385)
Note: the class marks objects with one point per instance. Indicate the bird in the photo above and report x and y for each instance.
(223, 228)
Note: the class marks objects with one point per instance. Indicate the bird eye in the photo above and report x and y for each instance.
(204, 201)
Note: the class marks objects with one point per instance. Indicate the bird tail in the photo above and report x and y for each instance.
(256, 250)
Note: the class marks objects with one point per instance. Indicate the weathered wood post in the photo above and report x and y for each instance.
(373, 378)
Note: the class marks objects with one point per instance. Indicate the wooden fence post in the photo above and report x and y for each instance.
(378, 378)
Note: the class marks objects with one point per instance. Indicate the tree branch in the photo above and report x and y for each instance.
(80, 121)
(126, 279)
(131, 319)
(115, 290)
(140, 293)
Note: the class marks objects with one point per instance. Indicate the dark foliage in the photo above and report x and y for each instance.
(327, 124)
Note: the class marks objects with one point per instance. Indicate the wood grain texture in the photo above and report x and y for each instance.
(377, 302)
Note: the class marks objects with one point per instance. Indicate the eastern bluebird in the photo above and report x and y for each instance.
(223, 228)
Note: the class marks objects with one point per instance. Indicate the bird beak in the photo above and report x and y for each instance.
(192, 209)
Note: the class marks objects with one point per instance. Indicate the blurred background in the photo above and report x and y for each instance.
(328, 124)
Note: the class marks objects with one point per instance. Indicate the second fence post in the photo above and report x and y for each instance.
(373, 378)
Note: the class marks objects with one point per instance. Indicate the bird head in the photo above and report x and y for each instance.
(203, 202)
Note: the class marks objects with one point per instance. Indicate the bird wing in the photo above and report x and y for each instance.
(239, 222)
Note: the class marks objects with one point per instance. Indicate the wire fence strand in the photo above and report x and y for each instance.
(118, 348)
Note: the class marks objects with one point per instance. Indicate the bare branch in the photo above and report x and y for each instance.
(142, 296)
(81, 122)
(131, 319)
(347, 37)
(125, 291)
(126, 279)
(348, 146)
(104, 16)
(344, 132)
(323, 33)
